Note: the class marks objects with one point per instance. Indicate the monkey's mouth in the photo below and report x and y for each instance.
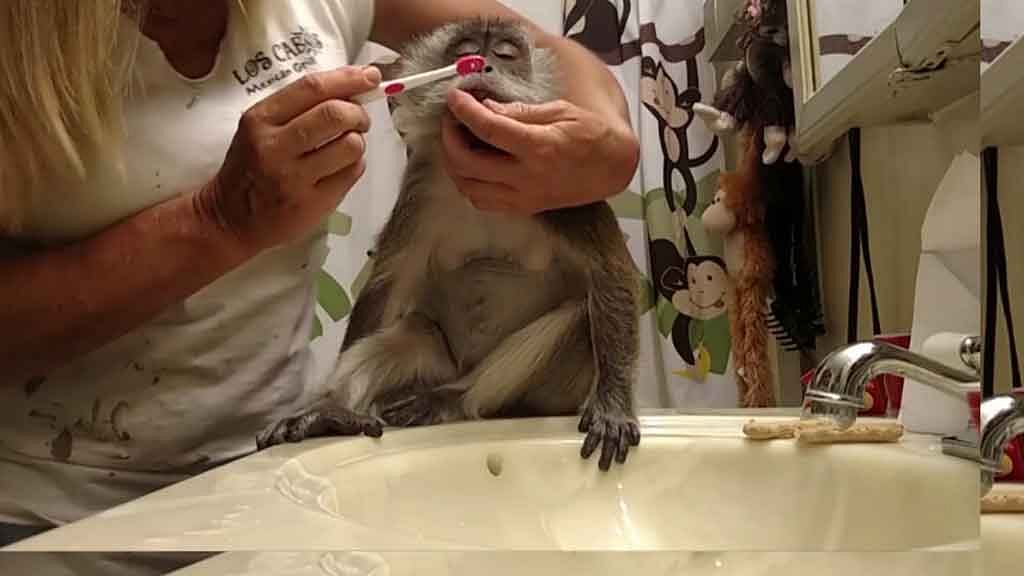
(480, 94)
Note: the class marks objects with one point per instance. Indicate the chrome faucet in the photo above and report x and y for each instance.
(1002, 419)
(837, 391)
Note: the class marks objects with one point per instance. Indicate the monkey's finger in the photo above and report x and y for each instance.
(586, 421)
(609, 446)
(321, 125)
(516, 138)
(312, 89)
(341, 426)
(633, 434)
(590, 443)
(304, 426)
(622, 444)
(334, 157)
(279, 433)
(373, 428)
(272, 435)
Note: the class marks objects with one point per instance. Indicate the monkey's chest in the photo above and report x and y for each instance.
(491, 276)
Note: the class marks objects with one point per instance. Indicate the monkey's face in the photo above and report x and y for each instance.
(516, 71)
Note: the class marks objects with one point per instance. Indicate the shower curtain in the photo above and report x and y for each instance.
(656, 51)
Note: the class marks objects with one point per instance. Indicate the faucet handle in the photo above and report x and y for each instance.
(970, 352)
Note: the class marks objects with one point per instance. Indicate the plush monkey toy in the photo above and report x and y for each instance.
(738, 214)
(758, 89)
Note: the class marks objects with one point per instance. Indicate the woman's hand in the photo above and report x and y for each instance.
(547, 156)
(295, 156)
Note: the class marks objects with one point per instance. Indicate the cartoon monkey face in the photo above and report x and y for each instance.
(701, 293)
(658, 93)
(708, 283)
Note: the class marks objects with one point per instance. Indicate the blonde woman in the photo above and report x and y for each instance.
(163, 176)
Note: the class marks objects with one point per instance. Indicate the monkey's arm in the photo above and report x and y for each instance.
(608, 416)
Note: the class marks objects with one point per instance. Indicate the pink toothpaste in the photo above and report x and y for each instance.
(463, 67)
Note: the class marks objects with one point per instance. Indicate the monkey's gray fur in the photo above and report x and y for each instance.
(471, 314)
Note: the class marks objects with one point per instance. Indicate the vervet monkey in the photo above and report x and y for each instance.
(472, 314)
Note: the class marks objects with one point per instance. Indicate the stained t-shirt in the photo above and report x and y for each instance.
(191, 388)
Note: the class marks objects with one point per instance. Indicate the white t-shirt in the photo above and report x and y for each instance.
(192, 388)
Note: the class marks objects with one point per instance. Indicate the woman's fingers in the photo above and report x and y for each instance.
(334, 157)
(322, 124)
(305, 93)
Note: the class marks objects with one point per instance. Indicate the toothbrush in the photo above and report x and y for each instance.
(463, 67)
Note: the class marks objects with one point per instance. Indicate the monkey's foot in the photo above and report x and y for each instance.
(328, 421)
(613, 429)
(408, 407)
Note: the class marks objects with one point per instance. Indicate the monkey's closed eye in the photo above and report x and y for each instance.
(467, 48)
(506, 50)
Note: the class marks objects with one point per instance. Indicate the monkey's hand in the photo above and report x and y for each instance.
(412, 407)
(321, 421)
(611, 427)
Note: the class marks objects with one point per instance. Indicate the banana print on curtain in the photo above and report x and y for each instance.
(656, 50)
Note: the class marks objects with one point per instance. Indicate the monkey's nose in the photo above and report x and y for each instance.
(488, 69)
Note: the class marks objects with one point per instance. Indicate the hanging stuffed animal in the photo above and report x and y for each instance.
(738, 214)
(758, 90)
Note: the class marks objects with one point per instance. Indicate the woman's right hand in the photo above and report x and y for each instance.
(295, 156)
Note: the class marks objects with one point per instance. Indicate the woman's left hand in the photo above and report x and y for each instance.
(546, 156)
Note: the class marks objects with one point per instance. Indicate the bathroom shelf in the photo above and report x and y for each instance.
(866, 92)
(721, 30)
(1002, 91)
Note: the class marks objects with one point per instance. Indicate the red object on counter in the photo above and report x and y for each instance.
(883, 394)
(1013, 462)
(891, 383)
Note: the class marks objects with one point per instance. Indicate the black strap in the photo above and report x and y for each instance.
(860, 246)
(996, 280)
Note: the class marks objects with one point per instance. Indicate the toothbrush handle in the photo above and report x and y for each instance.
(370, 96)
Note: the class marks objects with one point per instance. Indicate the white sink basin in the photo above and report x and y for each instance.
(588, 564)
(694, 484)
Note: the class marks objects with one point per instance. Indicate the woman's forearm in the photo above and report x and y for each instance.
(587, 82)
(59, 303)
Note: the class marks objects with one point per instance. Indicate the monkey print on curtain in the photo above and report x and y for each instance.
(656, 50)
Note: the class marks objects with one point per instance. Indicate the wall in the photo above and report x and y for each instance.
(901, 169)
(1011, 200)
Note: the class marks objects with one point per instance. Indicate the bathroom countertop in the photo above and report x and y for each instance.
(694, 483)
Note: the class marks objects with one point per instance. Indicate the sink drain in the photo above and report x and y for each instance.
(494, 465)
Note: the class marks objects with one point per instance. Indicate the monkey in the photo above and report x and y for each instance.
(470, 314)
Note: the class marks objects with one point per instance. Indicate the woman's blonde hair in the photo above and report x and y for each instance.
(62, 79)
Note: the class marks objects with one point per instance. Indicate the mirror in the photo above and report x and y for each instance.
(877, 62)
(1000, 27)
(840, 29)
